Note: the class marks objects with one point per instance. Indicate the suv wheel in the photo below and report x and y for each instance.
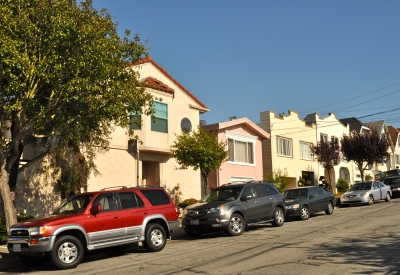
(67, 252)
(236, 225)
(155, 237)
(32, 260)
(279, 217)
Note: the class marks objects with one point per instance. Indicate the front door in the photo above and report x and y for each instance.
(251, 203)
(151, 173)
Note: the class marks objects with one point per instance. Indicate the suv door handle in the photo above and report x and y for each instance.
(116, 217)
(256, 201)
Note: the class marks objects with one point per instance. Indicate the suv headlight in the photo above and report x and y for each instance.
(38, 230)
(219, 209)
(293, 206)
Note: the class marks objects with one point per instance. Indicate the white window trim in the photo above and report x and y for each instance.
(244, 138)
(241, 179)
(291, 147)
(310, 144)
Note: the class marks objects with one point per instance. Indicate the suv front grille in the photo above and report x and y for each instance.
(20, 233)
(196, 213)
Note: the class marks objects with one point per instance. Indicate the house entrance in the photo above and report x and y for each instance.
(151, 173)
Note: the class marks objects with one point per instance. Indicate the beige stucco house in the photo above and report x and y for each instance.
(150, 163)
(289, 146)
(244, 142)
(395, 137)
(327, 129)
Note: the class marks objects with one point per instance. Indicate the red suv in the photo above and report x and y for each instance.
(96, 220)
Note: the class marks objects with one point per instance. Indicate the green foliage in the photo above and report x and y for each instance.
(342, 185)
(278, 178)
(303, 181)
(368, 177)
(200, 150)
(64, 82)
(176, 194)
(187, 202)
(3, 227)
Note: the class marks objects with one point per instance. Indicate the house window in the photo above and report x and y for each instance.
(323, 138)
(284, 146)
(305, 150)
(397, 157)
(398, 141)
(241, 151)
(333, 138)
(161, 118)
(134, 118)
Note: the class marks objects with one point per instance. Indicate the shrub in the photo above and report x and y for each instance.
(187, 202)
(278, 178)
(342, 185)
(3, 227)
(368, 177)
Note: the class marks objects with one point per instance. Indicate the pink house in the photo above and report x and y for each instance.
(245, 151)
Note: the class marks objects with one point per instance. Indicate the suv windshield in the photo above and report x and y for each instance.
(361, 186)
(74, 204)
(230, 193)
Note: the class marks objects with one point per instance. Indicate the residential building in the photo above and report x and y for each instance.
(289, 147)
(244, 142)
(395, 137)
(327, 129)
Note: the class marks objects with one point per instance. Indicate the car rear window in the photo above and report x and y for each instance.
(156, 197)
(392, 181)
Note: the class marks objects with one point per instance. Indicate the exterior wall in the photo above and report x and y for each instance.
(292, 127)
(331, 126)
(34, 195)
(229, 169)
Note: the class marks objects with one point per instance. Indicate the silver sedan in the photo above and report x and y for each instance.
(366, 192)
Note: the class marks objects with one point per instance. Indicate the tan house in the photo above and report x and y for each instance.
(327, 129)
(151, 163)
(395, 137)
(244, 142)
(289, 147)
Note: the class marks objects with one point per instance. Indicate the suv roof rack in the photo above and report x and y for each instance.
(114, 187)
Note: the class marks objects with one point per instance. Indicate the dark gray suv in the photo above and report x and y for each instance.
(232, 207)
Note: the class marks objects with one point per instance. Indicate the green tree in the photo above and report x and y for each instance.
(364, 149)
(201, 150)
(64, 81)
(328, 155)
(278, 178)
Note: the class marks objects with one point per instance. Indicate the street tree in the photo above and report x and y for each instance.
(279, 178)
(65, 81)
(365, 149)
(200, 150)
(327, 153)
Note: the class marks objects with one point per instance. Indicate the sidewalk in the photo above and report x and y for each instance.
(3, 251)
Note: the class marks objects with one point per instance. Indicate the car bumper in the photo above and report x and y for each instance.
(205, 224)
(354, 200)
(293, 212)
(29, 245)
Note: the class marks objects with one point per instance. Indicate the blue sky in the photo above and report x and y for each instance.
(241, 58)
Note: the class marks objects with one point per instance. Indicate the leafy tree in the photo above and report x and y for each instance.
(64, 82)
(279, 178)
(342, 185)
(201, 150)
(328, 155)
(364, 149)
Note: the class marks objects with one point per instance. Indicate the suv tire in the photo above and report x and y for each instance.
(279, 217)
(67, 252)
(155, 237)
(236, 225)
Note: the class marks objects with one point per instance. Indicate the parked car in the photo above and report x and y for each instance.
(394, 183)
(367, 193)
(232, 207)
(385, 174)
(93, 220)
(304, 201)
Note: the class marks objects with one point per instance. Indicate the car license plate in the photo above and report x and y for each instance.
(17, 247)
(194, 222)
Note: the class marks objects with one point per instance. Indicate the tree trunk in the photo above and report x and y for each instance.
(330, 182)
(205, 182)
(9, 210)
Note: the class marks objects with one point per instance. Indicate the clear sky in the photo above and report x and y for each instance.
(241, 58)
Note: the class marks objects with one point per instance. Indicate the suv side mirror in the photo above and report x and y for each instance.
(96, 208)
(246, 198)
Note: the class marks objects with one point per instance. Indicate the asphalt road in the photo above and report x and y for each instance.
(354, 240)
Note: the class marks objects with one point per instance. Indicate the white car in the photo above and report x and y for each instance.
(366, 192)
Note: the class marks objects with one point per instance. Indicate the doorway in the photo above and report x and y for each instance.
(151, 173)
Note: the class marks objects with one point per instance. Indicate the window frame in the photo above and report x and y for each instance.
(290, 149)
(248, 139)
(309, 151)
(323, 137)
(159, 117)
